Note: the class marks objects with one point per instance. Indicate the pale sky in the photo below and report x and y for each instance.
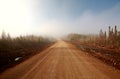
(58, 17)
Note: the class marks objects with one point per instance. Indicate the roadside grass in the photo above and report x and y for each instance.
(16, 50)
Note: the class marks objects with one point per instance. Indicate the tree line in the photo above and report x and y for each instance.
(109, 38)
(22, 46)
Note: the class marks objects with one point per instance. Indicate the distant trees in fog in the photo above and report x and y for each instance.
(110, 38)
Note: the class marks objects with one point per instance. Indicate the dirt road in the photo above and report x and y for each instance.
(61, 61)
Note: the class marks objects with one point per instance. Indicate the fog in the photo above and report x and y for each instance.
(57, 18)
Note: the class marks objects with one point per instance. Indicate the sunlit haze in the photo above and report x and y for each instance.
(58, 17)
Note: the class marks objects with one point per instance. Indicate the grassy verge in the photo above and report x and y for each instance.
(15, 50)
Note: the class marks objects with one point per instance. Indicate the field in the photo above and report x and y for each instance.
(16, 50)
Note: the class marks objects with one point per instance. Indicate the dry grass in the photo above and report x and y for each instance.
(13, 50)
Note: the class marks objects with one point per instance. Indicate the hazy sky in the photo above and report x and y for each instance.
(58, 17)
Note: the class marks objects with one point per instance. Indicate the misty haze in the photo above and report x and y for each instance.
(59, 39)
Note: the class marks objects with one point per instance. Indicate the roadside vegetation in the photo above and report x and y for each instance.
(15, 50)
(104, 46)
